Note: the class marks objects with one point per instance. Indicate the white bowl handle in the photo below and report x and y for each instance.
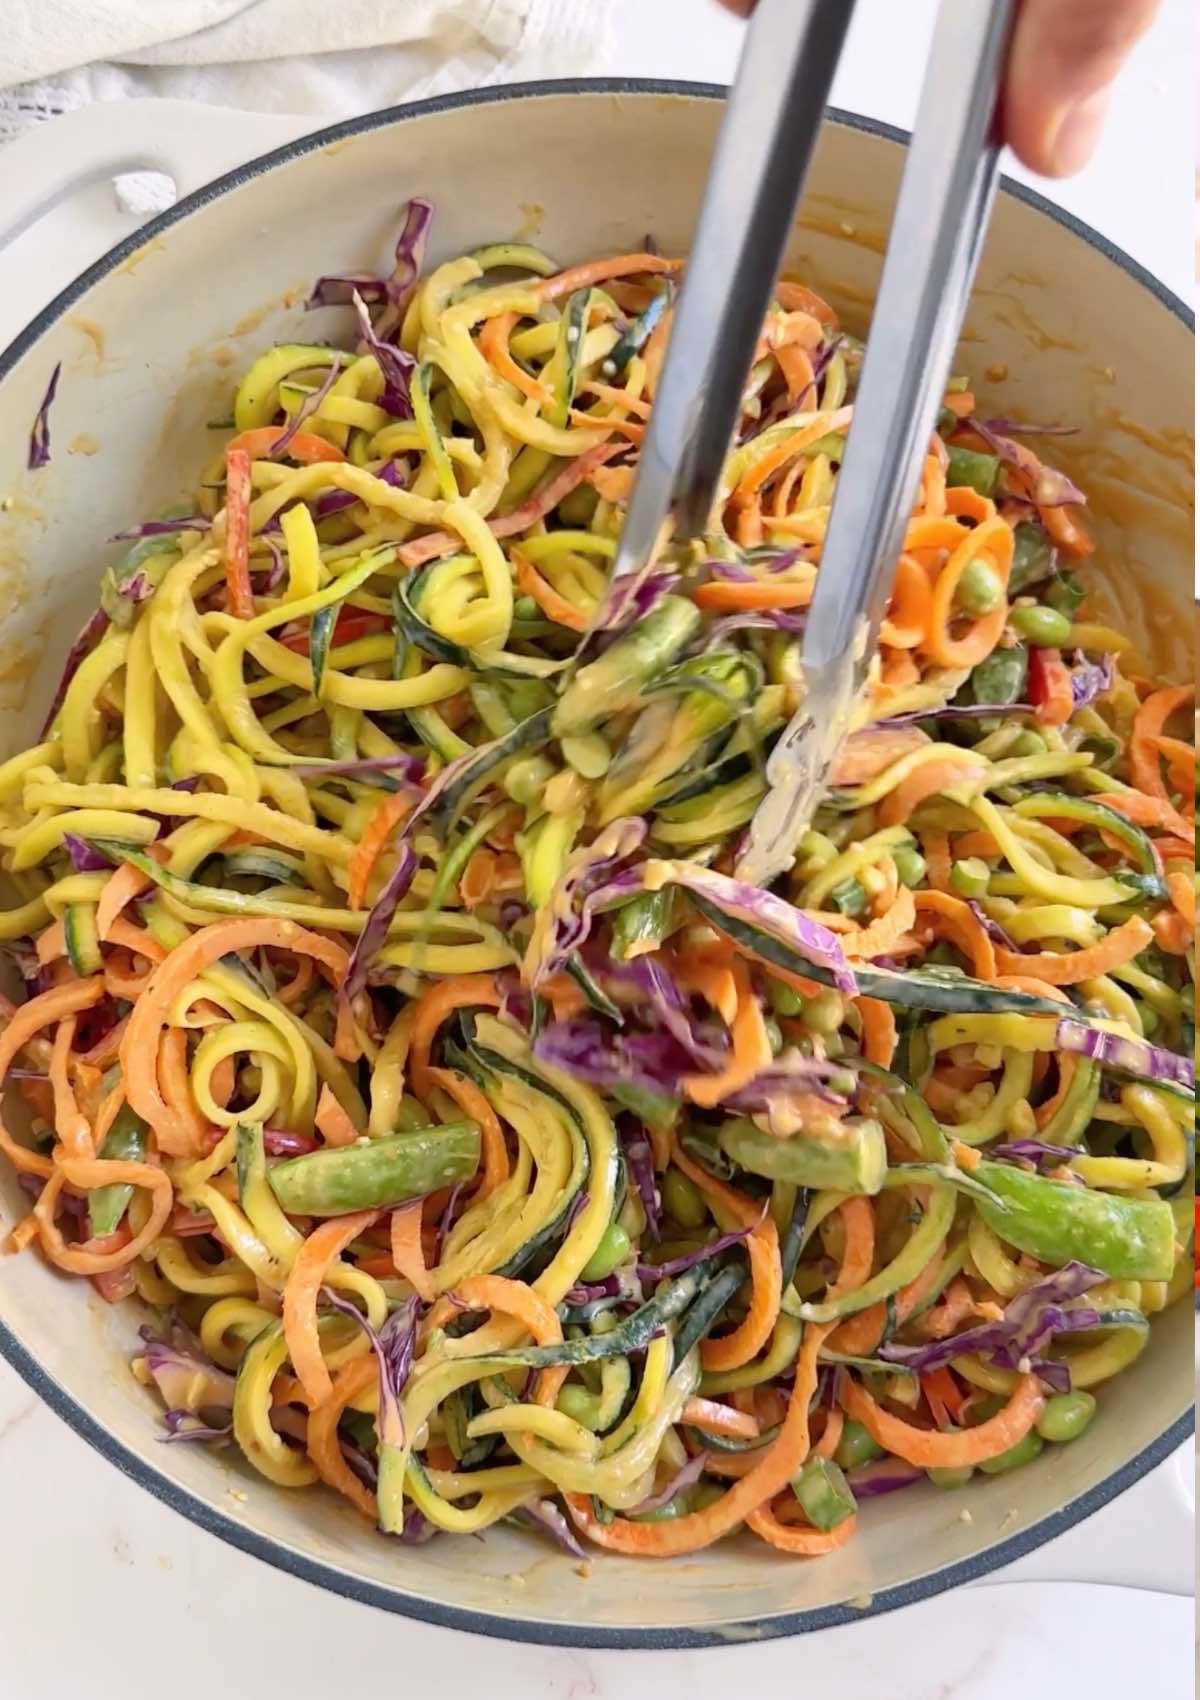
(190, 142)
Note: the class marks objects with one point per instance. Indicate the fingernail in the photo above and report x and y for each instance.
(1078, 132)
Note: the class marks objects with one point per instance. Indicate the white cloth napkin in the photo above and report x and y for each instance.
(335, 58)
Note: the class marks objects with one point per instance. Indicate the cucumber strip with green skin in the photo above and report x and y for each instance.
(514, 256)
(922, 1245)
(378, 1174)
(733, 1443)
(571, 332)
(706, 1310)
(405, 598)
(529, 734)
(955, 994)
(934, 1144)
(420, 392)
(125, 1142)
(719, 773)
(596, 997)
(792, 1242)
(645, 920)
(617, 679)
(1066, 806)
(319, 639)
(81, 938)
(279, 867)
(855, 1163)
(629, 1336)
(637, 336)
(1073, 1116)
(1128, 1239)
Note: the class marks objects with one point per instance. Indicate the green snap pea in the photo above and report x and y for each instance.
(1024, 1452)
(850, 897)
(856, 1446)
(377, 1173)
(957, 1477)
(824, 1494)
(1002, 677)
(979, 471)
(970, 877)
(683, 1200)
(1066, 1416)
(857, 1163)
(125, 1142)
(608, 1255)
(1065, 593)
(980, 590)
(644, 920)
(910, 866)
(1128, 1239)
(1044, 627)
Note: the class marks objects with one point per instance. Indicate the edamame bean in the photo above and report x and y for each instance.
(955, 1478)
(856, 1446)
(683, 1201)
(1066, 1416)
(1044, 627)
(979, 590)
(527, 778)
(376, 1173)
(1024, 1452)
(608, 1255)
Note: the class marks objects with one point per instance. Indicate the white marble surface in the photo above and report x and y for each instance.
(142, 1600)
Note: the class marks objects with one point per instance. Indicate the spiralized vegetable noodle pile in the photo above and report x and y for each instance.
(394, 1024)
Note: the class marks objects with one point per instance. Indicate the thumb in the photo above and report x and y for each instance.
(1065, 56)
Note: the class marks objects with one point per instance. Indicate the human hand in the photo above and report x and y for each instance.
(1064, 58)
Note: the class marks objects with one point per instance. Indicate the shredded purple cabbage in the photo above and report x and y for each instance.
(375, 929)
(685, 1477)
(882, 1475)
(84, 858)
(93, 630)
(1090, 679)
(631, 598)
(395, 1347)
(1048, 487)
(968, 711)
(282, 1142)
(184, 1425)
(1033, 1153)
(640, 1163)
(185, 1376)
(689, 1259)
(417, 1528)
(544, 1514)
(1134, 1056)
(559, 931)
(337, 289)
(39, 436)
(307, 408)
(392, 472)
(161, 528)
(992, 928)
(1029, 1323)
(395, 364)
(601, 1056)
(1017, 428)
(407, 767)
(705, 1042)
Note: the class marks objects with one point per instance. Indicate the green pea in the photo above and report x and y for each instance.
(955, 1478)
(774, 1034)
(970, 877)
(1024, 1452)
(980, 590)
(1044, 627)
(856, 1446)
(825, 1011)
(525, 608)
(910, 865)
(683, 1201)
(783, 999)
(578, 1403)
(1066, 1416)
(608, 1255)
(979, 471)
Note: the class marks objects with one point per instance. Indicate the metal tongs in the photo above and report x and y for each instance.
(762, 157)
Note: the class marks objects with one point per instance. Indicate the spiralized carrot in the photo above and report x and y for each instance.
(407, 1252)
(72, 1126)
(473, 1104)
(929, 779)
(323, 1246)
(957, 1448)
(751, 1050)
(84, 1173)
(950, 917)
(464, 991)
(493, 344)
(304, 447)
(881, 936)
(731, 1351)
(910, 611)
(172, 1123)
(58, 1004)
(237, 533)
(1069, 968)
(387, 816)
(555, 607)
(321, 1433)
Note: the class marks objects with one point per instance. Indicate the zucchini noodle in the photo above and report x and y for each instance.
(395, 1034)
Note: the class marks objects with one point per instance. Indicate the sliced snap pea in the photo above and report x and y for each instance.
(850, 897)
(957, 1477)
(856, 1446)
(1024, 1452)
(1046, 628)
(1128, 1239)
(856, 1164)
(1066, 1416)
(1002, 677)
(910, 866)
(1033, 557)
(644, 920)
(824, 1494)
(377, 1173)
(979, 471)
(970, 877)
(125, 1142)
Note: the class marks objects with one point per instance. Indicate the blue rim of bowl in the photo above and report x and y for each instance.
(226, 1528)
